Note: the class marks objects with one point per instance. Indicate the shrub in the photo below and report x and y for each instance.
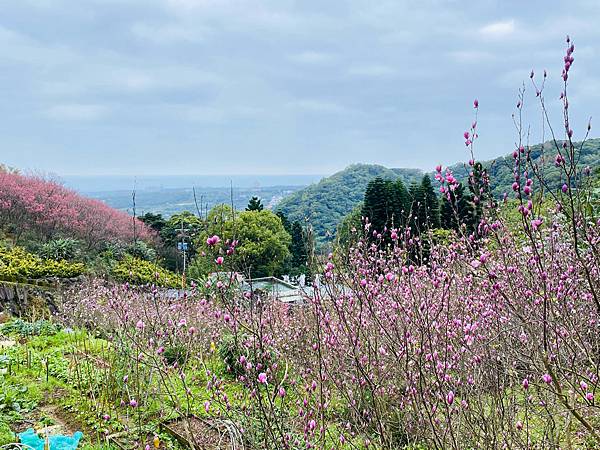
(176, 354)
(139, 271)
(60, 249)
(17, 263)
(141, 250)
(23, 328)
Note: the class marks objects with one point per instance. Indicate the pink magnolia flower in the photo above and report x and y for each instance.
(450, 397)
(262, 378)
(219, 260)
(546, 378)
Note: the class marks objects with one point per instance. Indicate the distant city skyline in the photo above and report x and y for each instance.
(276, 87)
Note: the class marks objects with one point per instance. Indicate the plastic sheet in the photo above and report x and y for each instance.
(57, 442)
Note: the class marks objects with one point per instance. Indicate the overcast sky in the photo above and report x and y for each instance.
(278, 86)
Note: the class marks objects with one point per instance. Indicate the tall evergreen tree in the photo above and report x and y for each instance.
(298, 248)
(399, 205)
(457, 211)
(424, 206)
(414, 201)
(285, 221)
(375, 205)
(254, 204)
(431, 203)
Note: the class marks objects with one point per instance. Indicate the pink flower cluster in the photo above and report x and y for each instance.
(48, 208)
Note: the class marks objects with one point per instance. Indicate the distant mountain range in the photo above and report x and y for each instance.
(173, 200)
(324, 204)
(169, 194)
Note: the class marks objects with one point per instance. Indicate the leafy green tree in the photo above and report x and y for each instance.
(254, 204)
(263, 243)
(155, 221)
(171, 230)
(350, 228)
(171, 234)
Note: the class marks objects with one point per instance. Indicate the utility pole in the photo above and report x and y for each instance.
(183, 246)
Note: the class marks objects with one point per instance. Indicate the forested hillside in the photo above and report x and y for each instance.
(501, 169)
(325, 203)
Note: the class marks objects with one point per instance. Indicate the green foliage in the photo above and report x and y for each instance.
(442, 236)
(376, 204)
(141, 250)
(254, 204)
(14, 401)
(59, 249)
(298, 249)
(326, 203)
(6, 435)
(285, 221)
(171, 230)
(263, 243)
(230, 352)
(22, 328)
(426, 206)
(16, 263)
(176, 354)
(139, 271)
(500, 170)
(458, 210)
(386, 204)
(350, 228)
(154, 221)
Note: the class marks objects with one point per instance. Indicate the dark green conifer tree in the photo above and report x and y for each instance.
(375, 206)
(430, 208)
(254, 204)
(285, 222)
(298, 248)
(457, 211)
(399, 203)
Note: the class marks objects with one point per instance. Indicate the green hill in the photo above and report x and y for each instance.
(501, 169)
(325, 203)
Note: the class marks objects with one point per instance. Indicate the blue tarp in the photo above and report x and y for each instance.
(57, 442)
